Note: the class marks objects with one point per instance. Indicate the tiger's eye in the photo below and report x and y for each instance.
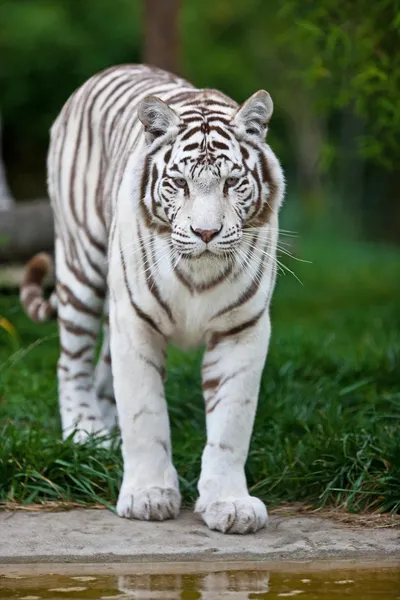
(180, 182)
(231, 181)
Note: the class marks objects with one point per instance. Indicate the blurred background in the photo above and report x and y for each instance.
(327, 428)
(332, 69)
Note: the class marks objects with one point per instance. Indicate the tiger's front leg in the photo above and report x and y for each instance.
(232, 369)
(149, 488)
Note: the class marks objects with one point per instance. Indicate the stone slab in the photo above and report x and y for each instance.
(99, 536)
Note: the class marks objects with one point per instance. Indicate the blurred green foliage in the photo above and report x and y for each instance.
(322, 55)
(332, 68)
(356, 56)
(49, 47)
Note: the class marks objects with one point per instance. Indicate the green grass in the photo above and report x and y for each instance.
(328, 422)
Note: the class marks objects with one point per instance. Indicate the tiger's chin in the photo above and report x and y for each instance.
(207, 254)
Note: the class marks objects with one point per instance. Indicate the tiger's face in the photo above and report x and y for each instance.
(209, 173)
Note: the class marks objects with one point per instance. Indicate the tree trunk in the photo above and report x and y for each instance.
(308, 140)
(161, 45)
(26, 229)
(351, 165)
(6, 199)
(391, 210)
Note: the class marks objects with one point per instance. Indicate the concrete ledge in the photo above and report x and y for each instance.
(93, 536)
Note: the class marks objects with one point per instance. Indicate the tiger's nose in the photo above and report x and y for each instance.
(206, 234)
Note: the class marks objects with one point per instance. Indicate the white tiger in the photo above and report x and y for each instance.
(165, 201)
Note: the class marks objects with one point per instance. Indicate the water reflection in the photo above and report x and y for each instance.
(366, 584)
(235, 585)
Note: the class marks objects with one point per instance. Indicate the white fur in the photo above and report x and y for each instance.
(224, 502)
(138, 344)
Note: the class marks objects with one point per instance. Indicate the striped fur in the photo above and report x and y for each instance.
(165, 201)
(38, 309)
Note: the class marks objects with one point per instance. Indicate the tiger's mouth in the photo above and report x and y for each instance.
(212, 254)
(206, 252)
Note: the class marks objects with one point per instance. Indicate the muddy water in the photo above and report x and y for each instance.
(365, 584)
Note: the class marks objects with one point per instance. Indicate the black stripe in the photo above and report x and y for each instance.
(189, 133)
(189, 147)
(160, 370)
(216, 337)
(151, 283)
(222, 132)
(153, 182)
(76, 329)
(74, 301)
(79, 353)
(140, 313)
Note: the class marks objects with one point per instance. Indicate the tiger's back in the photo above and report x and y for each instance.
(92, 138)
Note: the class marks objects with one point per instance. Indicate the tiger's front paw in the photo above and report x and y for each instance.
(243, 515)
(149, 504)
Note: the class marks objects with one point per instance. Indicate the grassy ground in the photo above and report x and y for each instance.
(328, 423)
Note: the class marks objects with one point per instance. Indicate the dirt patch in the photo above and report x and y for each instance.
(369, 520)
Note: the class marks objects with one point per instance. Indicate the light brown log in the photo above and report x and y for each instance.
(25, 229)
(6, 199)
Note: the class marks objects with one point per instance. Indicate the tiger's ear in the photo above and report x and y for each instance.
(157, 117)
(253, 116)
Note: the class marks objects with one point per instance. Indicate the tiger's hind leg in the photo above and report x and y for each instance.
(80, 306)
(103, 378)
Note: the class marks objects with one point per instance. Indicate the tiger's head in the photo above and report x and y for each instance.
(208, 173)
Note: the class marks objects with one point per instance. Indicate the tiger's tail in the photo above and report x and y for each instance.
(31, 291)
